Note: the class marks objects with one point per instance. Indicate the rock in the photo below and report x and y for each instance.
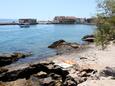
(81, 74)
(2, 70)
(70, 81)
(6, 59)
(38, 75)
(32, 69)
(55, 76)
(83, 58)
(74, 45)
(62, 43)
(62, 47)
(47, 74)
(47, 63)
(21, 82)
(88, 38)
(47, 82)
(56, 44)
(108, 71)
(89, 70)
(41, 74)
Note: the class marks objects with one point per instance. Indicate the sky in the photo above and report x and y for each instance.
(46, 9)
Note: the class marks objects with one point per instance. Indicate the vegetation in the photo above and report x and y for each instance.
(105, 23)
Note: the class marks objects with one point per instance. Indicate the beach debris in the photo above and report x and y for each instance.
(64, 63)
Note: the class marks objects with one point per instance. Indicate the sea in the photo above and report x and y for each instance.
(37, 38)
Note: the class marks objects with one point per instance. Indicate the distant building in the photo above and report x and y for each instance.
(91, 20)
(64, 20)
(28, 21)
(85, 21)
(78, 21)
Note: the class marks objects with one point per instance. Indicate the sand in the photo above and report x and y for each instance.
(94, 58)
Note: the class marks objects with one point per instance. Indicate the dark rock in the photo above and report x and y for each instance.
(62, 47)
(74, 45)
(47, 82)
(56, 44)
(41, 74)
(83, 58)
(70, 81)
(33, 69)
(22, 73)
(2, 70)
(59, 71)
(47, 63)
(55, 76)
(89, 70)
(88, 38)
(80, 79)
(108, 71)
(21, 82)
(6, 59)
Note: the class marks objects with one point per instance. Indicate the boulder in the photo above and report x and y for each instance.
(56, 44)
(41, 74)
(62, 47)
(108, 71)
(2, 70)
(70, 81)
(47, 74)
(88, 38)
(38, 75)
(47, 82)
(33, 69)
(21, 82)
(6, 59)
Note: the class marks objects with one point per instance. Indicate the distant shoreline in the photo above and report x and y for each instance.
(4, 24)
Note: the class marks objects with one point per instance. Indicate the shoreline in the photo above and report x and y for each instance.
(88, 58)
(5, 24)
(92, 58)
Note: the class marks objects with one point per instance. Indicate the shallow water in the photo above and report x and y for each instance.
(37, 38)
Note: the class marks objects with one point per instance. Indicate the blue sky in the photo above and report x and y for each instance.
(46, 9)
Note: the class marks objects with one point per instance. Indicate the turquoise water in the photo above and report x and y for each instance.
(37, 38)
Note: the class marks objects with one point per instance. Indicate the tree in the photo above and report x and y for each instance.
(105, 23)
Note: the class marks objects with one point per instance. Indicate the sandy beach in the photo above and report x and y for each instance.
(93, 58)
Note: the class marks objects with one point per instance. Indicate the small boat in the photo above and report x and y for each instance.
(25, 25)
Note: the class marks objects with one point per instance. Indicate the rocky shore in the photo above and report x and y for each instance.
(74, 65)
(8, 58)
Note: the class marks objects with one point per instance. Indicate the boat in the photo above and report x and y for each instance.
(25, 25)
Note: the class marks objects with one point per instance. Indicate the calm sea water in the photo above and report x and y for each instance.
(37, 38)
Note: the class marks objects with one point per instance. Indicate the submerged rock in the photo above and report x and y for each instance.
(6, 59)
